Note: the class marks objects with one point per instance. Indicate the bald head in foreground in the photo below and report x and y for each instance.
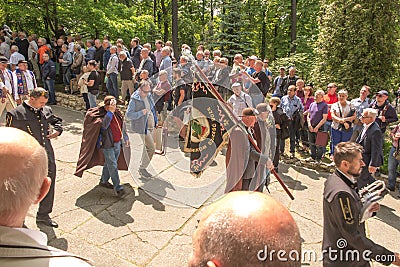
(23, 182)
(23, 177)
(246, 229)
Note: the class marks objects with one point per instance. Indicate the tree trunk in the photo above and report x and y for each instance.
(155, 11)
(165, 20)
(293, 27)
(175, 27)
(263, 35)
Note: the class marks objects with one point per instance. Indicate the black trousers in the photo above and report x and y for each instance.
(46, 205)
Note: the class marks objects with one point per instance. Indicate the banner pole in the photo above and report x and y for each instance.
(240, 124)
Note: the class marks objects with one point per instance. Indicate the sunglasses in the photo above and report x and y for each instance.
(380, 95)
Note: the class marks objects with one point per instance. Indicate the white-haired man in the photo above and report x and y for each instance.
(15, 57)
(23, 182)
(370, 139)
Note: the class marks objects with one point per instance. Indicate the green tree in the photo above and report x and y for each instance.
(234, 28)
(357, 44)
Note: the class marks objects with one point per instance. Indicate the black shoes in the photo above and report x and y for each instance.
(106, 185)
(47, 222)
(120, 192)
(145, 173)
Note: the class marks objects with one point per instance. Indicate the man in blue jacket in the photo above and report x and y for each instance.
(49, 76)
(142, 115)
(112, 133)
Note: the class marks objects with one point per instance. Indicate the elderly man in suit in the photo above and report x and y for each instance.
(242, 158)
(370, 139)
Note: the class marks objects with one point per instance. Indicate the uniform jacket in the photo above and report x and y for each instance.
(90, 154)
(342, 207)
(36, 123)
(19, 250)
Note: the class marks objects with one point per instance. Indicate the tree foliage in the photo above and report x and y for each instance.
(345, 41)
(357, 44)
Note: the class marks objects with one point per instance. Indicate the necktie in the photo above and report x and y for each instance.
(362, 135)
(24, 85)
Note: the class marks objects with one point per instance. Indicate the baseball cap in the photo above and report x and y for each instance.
(382, 92)
(236, 85)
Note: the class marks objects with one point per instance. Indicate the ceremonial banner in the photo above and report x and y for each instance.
(209, 127)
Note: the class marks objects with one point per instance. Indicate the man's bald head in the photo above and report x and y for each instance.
(234, 230)
(23, 165)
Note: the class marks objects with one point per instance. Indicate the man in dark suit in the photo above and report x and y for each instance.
(370, 139)
(35, 118)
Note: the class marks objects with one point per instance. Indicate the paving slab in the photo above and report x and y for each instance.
(153, 225)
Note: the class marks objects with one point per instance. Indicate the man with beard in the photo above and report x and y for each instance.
(342, 207)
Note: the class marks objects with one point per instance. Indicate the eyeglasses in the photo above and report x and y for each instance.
(365, 117)
(330, 87)
(379, 95)
(265, 62)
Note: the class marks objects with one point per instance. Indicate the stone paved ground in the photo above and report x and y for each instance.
(139, 230)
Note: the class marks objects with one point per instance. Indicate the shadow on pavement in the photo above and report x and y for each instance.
(150, 199)
(107, 207)
(60, 243)
(386, 214)
(289, 181)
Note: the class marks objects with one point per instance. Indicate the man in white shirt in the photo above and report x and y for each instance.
(112, 73)
(23, 182)
(32, 53)
(25, 81)
(6, 86)
(4, 48)
(15, 57)
(239, 100)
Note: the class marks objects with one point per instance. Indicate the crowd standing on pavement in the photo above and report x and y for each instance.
(155, 82)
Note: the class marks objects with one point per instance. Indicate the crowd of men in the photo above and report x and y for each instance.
(158, 81)
(97, 66)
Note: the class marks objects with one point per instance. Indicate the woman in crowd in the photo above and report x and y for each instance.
(343, 116)
(306, 100)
